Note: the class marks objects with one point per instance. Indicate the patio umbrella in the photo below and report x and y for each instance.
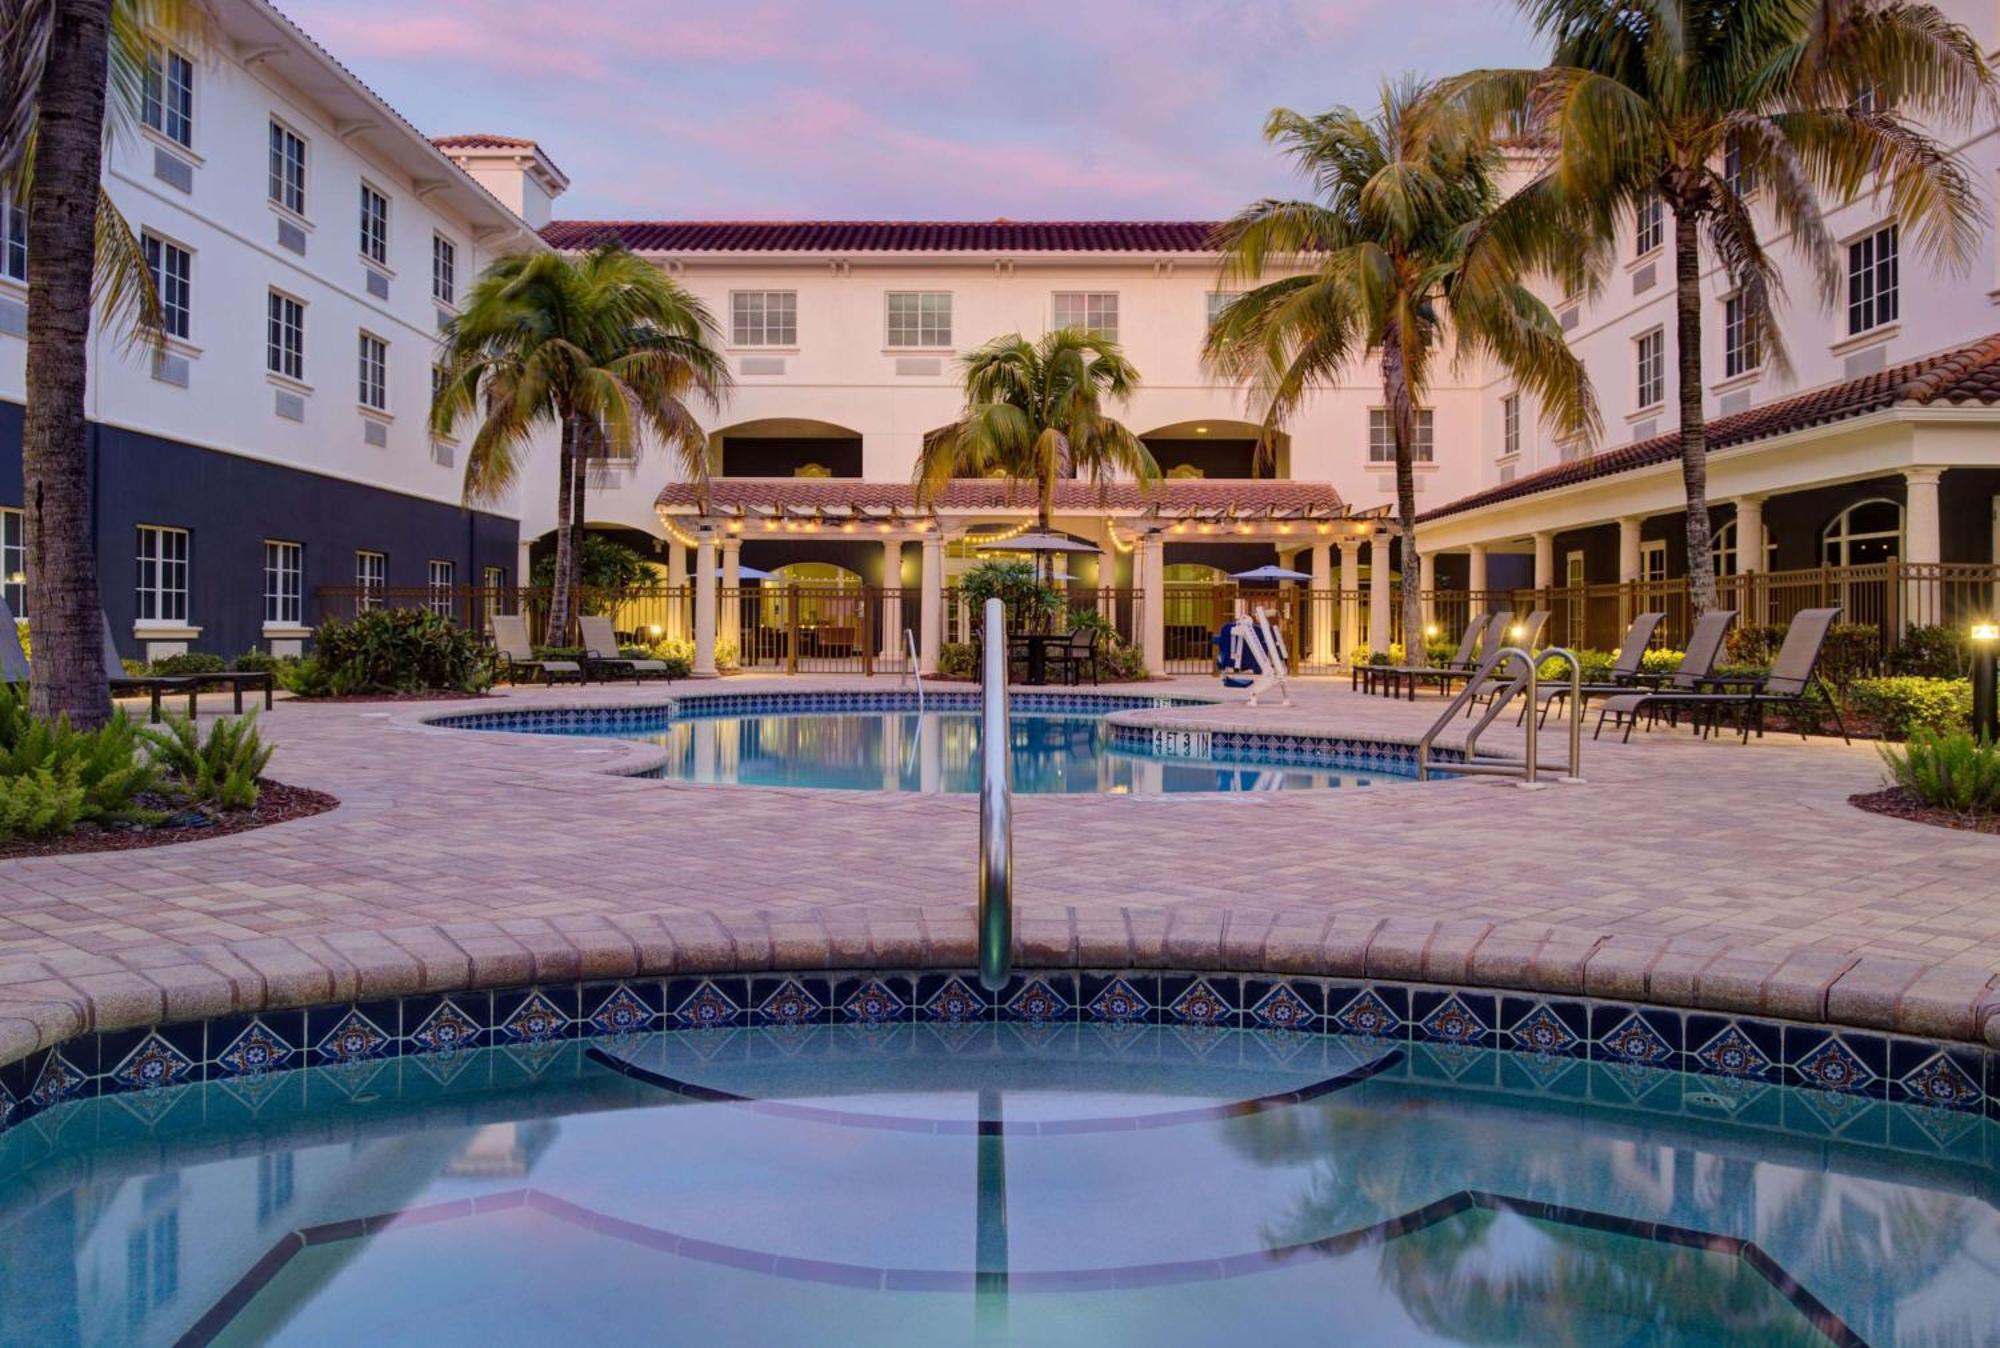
(1270, 573)
(752, 573)
(1036, 543)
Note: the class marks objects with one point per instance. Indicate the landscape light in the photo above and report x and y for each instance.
(1517, 631)
(1985, 705)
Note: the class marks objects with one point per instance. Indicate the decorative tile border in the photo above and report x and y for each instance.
(1546, 1035)
(1302, 750)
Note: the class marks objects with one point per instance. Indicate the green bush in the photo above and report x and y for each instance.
(1952, 771)
(958, 660)
(678, 652)
(220, 771)
(1753, 643)
(1119, 663)
(1031, 605)
(401, 650)
(53, 778)
(188, 662)
(1852, 651)
(609, 568)
(1905, 703)
(306, 677)
(1932, 651)
(254, 661)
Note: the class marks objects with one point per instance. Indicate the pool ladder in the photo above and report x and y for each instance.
(916, 666)
(1526, 683)
(996, 806)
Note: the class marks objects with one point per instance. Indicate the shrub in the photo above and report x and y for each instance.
(1753, 643)
(958, 660)
(1932, 652)
(1661, 662)
(1119, 663)
(1951, 771)
(401, 650)
(188, 662)
(220, 771)
(609, 569)
(53, 778)
(1031, 605)
(306, 677)
(254, 661)
(678, 652)
(1903, 704)
(1852, 650)
(21, 631)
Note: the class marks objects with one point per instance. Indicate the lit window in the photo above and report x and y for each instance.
(371, 577)
(1872, 291)
(163, 574)
(166, 103)
(1092, 310)
(1382, 436)
(1649, 229)
(442, 579)
(288, 169)
(764, 318)
(285, 336)
(284, 576)
(1510, 425)
(374, 226)
(444, 270)
(14, 561)
(374, 390)
(920, 318)
(1652, 357)
(1739, 340)
(13, 240)
(172, 267)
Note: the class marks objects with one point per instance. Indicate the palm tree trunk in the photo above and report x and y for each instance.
(586, 450)
(1694, 423)
(64, 606)
(1403, 424)
(560, 598)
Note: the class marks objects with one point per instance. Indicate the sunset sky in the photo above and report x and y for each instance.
(773, 109)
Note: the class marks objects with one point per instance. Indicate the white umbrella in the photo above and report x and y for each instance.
(1036, 543)
(752, 573)
(1270, 573)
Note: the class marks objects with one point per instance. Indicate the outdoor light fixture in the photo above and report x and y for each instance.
(1985, 708)
(1430, 629)
(1517, 631)
(653, 631)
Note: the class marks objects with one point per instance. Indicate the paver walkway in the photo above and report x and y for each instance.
(1683, 873)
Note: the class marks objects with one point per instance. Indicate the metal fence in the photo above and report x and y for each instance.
(817, 629)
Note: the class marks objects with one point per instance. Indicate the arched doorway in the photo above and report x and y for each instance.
(785, 447)
(1218, 447)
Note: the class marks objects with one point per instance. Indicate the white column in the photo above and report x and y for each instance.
(1350, 602)
(704, 605)
(1628, 573)
(1378, 592)
(1153, 602)
(1325, 607)
(1107, 581)
(930, 619)
(892, 598)
(1545, 560)
(1427, 572)
(677, 579)
(1922, 544)
(732, 583)
(1749, 533)
(1475, 578)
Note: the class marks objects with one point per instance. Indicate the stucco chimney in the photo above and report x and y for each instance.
(516, 171)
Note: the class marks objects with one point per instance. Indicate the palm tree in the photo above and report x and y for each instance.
(605, 347)
(1690, 102)
(1034, 413)
(55, 115)
(1397, 254)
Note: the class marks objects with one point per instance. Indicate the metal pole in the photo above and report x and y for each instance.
(996, 808)
(1985, 705)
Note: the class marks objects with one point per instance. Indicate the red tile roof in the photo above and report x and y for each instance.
(1172, 497)
(481, 140)
(1970, 374)
(882, 236)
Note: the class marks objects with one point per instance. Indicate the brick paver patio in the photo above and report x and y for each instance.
(1683, 873)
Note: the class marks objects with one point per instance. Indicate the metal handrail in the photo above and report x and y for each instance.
(1527, 677)
(996, 807)
(916, 665)
(1575, 773)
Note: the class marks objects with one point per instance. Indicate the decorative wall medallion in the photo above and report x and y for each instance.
(355, 1038)
(535, 1020)
(153, 1064)
(1636, 1041)
(257, 1049)
(873, 1003)
(955, 1002)
(445, 1030)
(1119, 1002)
(791, 1004)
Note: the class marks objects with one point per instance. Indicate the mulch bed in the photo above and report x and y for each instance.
(276, 804)
(1900, 803)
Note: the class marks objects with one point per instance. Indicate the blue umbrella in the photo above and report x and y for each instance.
(752, 573)
(1270, 573)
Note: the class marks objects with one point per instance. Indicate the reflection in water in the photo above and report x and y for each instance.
(937, 752)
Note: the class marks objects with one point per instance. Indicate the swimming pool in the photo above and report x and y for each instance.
(1062, 745)
(1079, 1180)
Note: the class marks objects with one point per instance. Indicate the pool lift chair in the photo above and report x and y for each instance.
(1253, 639)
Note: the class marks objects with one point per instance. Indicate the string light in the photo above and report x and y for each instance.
(678, 534)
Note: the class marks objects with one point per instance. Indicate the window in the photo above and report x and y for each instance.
(163, 574)
(1510, 425)
(444, 270)
(13, 240)
(764, 318)
(374, 390)
(1652, 358)
(920, 318)
(284, 577)
(172, 266)
(1739, 341)
(1738, 173)
(285, 337)
(1649, 228)
(442, 579)
(371, 576)
(1218, 300)
(1653, 561)
(1865, 532)
(1092, 310)
(14, 561)
(166, 104)
(493, 598)
(1871, 281)
(374, 226)
(288, 169)
(1382, 436)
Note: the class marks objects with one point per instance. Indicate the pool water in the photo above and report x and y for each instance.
(1054, 753)
(993, 1183)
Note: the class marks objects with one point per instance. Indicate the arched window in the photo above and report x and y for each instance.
(1193, 573)
(1865, 533)
(1725, 549)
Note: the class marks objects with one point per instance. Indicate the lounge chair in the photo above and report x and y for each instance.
(1790, 683)
(1528, 639)
(1697, 666)
(600, 652)
(154, 686)
(1626, 670)
(13, 660)
(517, 653)
(1370, 678)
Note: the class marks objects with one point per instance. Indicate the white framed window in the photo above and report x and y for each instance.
(14, 561)
(443, 576)
(1510, 425)
(1218, 300)
(13, 240)
(919, 318)
(1092, 310)
(285, 336)
(1739, 341)
(288, 168)
(1866, 532)
(493, 594)
(444, 270)
(1382, 436)
(1653, 561)
(166, 102)
(284, 583)
(163, 574)
(374, 371)
(1873, 289)
(371, 577)
(374, 226)
(1649, 225)
(173, 274)
(1651, 355)
(764, 318)
(1738, 173)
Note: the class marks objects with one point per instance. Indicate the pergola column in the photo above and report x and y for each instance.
(1922, 543)
(892, 598)
(1749, 533)
(1475, 579)
(1153, 601)
(677, 579)
(1628, 571)
(704, 604)
(1427, 582)
(1325, 607)
(1378, 592)
(1350, 597)
(1107, 581)
(1545, 560)
(930, 618)
(732, 585)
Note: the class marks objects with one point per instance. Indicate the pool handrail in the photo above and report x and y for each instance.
(916, 665)
(996, 806)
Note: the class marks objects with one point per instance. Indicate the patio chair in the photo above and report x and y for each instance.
(13, 660)
(1625, 670)
(1500, 635)
(1370, 678)
(1793, 677)
(1697, 666)
(517, 653)
(154, 686)
(1069, 659)
(600, 652)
